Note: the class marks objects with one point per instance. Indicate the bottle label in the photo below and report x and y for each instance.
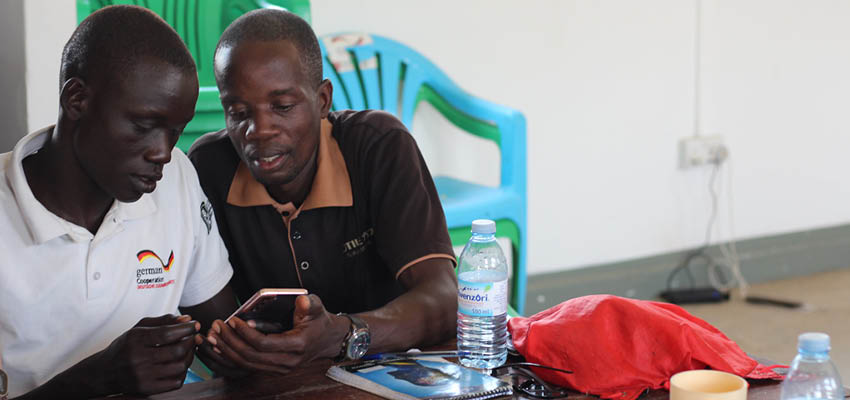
(482, 299)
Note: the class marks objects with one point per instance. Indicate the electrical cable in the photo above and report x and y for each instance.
(714, 270)
(716, 275)
(699, 253)
(729, 249)
(731, 261)
(713, 216)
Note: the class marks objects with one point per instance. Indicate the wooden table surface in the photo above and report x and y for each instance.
(310, 382)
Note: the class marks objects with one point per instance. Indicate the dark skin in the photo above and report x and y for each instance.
(108, 145)
(111, 141)
(273, 114)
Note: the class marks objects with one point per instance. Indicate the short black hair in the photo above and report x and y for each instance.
(269, 25)
(115, 38)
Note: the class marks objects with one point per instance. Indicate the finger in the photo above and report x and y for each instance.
(218, 364)
(256, 339)
(190, 351)
(184, 318)
(174, 370)
(166, 319)
(306, 308)
(286, 349)
(167, 334)
(237, 358)
(252, 346)
(173, 353)
(222, 348)
(205, 352)
(242, 338)
(215, 327)
(160, 385)
(153, 383)
(266, 326)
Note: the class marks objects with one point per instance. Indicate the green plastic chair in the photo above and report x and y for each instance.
(200, 24)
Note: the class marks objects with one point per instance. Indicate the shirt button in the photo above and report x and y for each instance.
(96, 276)
(305, 265)
(296, 235)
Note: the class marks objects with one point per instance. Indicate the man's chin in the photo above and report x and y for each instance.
(129, 197)
(275, 179)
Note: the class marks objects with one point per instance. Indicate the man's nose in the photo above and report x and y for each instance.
(160, 150)
(262, 125)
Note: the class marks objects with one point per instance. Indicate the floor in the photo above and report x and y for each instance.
(771, 331)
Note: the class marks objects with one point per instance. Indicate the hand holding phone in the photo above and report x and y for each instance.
(271, 306)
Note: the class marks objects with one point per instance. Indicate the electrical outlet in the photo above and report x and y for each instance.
(701, 150)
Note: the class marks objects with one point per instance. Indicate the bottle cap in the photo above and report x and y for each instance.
(813, 342)
(483, 226)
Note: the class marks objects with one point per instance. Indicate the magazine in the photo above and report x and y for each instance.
(419, 378)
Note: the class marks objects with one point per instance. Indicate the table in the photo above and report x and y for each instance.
(310, 382)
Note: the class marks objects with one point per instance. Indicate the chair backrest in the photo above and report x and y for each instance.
(200, 23)
(374, 72)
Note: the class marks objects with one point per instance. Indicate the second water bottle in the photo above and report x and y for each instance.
(812, 374)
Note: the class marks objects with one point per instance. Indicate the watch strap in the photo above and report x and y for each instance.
(344, 347)
(357, 323)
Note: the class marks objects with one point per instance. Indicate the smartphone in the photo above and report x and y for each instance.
(272, 306)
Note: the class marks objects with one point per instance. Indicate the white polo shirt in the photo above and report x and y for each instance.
(66, 294)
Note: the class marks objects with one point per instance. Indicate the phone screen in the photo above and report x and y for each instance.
(273, 307)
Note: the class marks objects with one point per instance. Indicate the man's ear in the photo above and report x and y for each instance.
(74, 98)
(326, 95)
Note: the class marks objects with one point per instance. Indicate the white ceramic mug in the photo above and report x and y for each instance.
(703, 384)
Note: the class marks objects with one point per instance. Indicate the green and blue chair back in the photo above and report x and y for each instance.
(374, 72)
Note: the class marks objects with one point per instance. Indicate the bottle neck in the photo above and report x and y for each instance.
(813, 355)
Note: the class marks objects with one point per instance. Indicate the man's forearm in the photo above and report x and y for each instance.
(82, 381)
(425, 314)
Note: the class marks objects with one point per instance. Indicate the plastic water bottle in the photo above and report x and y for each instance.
(812, 374)
(482, 298)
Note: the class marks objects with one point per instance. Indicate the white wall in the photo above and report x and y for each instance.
(608, 90)
(13, 111)
(48, 25)
(607, 87)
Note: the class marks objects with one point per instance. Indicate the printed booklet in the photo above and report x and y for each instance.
(419, 378)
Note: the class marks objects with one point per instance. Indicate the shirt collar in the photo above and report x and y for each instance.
(44, 225)
(331, 185)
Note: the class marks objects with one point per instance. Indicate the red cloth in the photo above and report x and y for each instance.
(618, 347)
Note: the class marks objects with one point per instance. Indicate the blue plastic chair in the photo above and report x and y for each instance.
(374, 72)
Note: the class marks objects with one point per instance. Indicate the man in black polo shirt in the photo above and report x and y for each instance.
(340, 203)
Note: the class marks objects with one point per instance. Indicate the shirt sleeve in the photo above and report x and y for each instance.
(209, 269)
(410, 225)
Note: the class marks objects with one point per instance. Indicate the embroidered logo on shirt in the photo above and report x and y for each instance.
(358, 245)
(151, 271)
(206, 215)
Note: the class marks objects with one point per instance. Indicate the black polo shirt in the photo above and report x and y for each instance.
(372, 212)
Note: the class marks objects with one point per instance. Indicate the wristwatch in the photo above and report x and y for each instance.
(4, 385)
(356, 342)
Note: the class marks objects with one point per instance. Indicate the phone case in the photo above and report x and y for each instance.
(274, 306)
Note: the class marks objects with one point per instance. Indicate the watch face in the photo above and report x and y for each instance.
(359, 345)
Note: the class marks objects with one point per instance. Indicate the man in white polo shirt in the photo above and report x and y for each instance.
(95, 261)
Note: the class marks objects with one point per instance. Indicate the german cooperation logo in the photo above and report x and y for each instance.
(151, 273)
